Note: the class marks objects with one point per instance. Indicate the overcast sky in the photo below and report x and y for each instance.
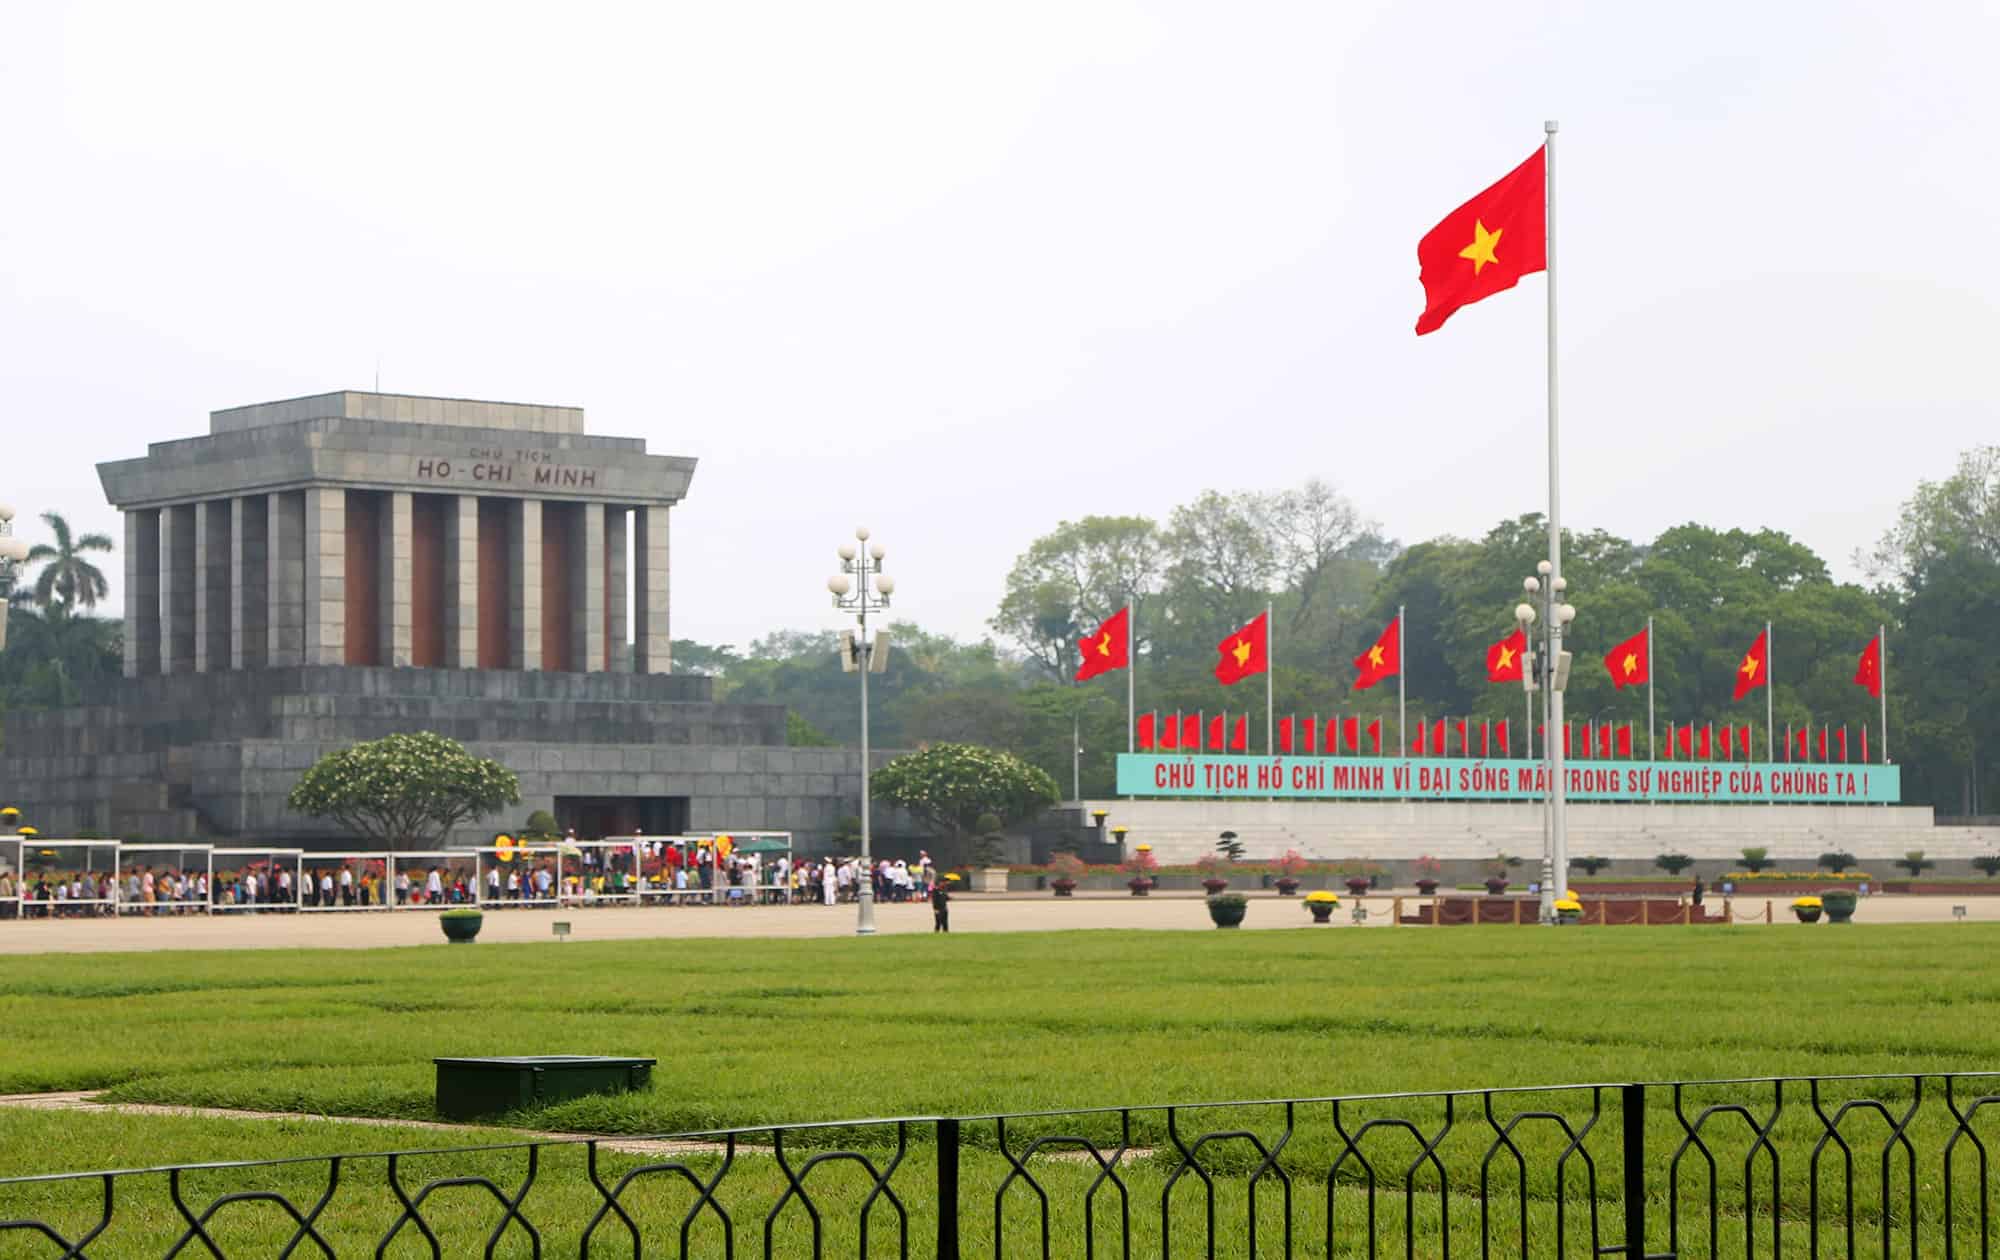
(959, 272)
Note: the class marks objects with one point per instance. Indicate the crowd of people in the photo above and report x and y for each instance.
(693, 872)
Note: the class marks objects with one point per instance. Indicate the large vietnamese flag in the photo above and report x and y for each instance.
(1755, 670)
(1106, 648)
(1383, 660)
(1629, 662)
(1246, 652)
(1503, 659)
(1486, 245)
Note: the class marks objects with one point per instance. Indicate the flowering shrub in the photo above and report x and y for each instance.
(404, 791)
(1289, 866)
(1142, 862)
(1570, 904)
(1428, 867)
(1067, 866)
(1210, 865)
(1322, 897)
(951, 785)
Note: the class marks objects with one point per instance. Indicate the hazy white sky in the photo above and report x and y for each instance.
(959, 272)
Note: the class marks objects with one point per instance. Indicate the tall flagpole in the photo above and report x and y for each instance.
(1270, 672)
(1649, 689)
(1770, 687)
(1131, 674)
(1556, 885)
(1402, 668)
(1882, 677)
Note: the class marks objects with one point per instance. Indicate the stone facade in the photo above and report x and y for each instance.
(340, 567)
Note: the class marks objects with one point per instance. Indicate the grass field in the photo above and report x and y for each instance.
(774, 1031)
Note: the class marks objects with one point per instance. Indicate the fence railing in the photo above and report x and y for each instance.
(1838, 1165)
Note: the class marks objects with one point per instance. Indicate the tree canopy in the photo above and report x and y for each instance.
(404, 791)
(951, 786)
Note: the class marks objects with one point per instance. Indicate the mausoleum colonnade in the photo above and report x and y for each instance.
(327, 575)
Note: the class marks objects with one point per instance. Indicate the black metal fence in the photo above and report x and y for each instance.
(1814, 1166)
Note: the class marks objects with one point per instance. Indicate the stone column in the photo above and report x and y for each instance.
(586, 652)
(393, 582)
(142, 592)
(249, 577)
(325, 575)
(461, 583)
(617, 623)
(285, 577)
(524, 583)
(213, 530)
(177, 585)
(652, 645)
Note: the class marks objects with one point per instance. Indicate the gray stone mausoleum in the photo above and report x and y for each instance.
(336, 568)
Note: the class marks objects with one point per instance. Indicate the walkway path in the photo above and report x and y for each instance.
(970, 913)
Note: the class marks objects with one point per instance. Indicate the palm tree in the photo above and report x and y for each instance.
(69, 579)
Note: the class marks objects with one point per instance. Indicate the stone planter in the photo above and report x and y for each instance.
(1139, 887)
(1288, 887)
(1839, 905)
(1357, 884)
(1214, 886)
(461, 929)
(1063, 887)
(1807, 914)
(1227, 912)
(1322, 911)
(991, 879)
(1495, 887)
(1425, 887)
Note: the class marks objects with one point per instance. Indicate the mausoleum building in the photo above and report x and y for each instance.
(327, 569)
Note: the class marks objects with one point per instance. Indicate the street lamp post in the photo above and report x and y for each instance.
(12, 552)
(1550, 672)
(851, 593)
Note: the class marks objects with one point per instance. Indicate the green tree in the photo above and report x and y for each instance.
(69, 580)
(1071, 579)
(404, 791)
(950, 786)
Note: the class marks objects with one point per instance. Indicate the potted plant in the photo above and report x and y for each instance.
(1915, 863)
(1227, 909)
(1673, 863)
(1210, 867)
(1569, 910)
(1322, 903)
(461, 924)
(1496, 876)
(1287, 869)
(1838, 860)
(1988, 864)
(1140, 866)
(1067, 869)
(1229, 847)
(1427, 869)
(1839, 903)
(1590, 865)
(1807, 909)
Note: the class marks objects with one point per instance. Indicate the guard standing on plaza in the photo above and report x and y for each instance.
(941, 908)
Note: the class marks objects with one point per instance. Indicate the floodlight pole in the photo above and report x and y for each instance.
(852, 593)
(12, 552)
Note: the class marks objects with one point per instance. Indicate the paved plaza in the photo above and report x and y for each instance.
(1011, 913)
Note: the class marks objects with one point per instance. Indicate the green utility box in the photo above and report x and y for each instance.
(468, 1089)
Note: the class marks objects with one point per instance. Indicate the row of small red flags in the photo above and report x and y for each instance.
(1219, 732)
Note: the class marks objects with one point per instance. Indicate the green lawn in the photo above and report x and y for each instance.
(774, 1031)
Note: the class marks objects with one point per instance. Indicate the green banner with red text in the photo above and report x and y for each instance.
(1460, 779)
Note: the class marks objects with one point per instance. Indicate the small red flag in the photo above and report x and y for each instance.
(1687, 742)
(1383, 660)
(1566, 727)
(1216, 735)
(1417, 744)
(1437, 739)
(1743, 740)
(1755, 669)
(1628, 663)
(1864, 745)
(1464, 740)
(1486, 739)
(1728, 736)
(1506, 750)
(1868, 671)
(1822, 743)
(1284, 734)
(1145, 732)
(1604, 741)
(1486, 245)
(1246, 652)
(1307, 730)
(1106, 648)
(1353, 734)
(1191, 731)
(1503, 659)
(1170, 733)
(1375, 736)
(1625, 741)
(1843, 743)
(1239, 740)
(1802, 745)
